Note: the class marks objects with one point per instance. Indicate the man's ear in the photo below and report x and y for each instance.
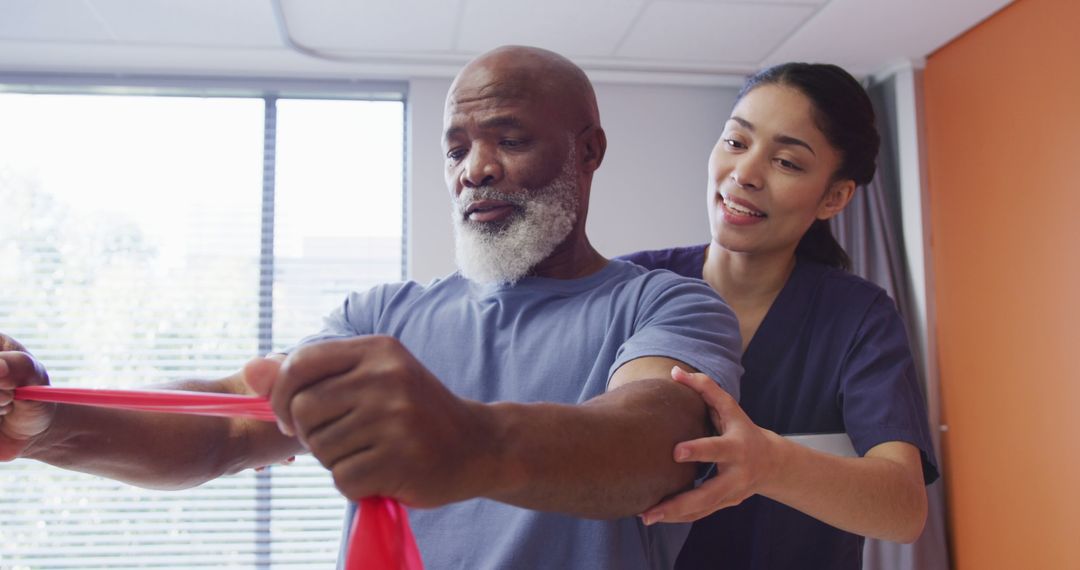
(836, 199)
(594, 145)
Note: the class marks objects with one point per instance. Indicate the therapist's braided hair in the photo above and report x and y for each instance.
(845, 116)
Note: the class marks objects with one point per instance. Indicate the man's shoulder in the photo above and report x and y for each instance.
(685, 260)
(619, 278)
(655, 295)
(684, 319)
(412, 287)
(658, 280)
(396, 294)
(661, 276)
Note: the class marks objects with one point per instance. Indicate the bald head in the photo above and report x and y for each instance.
(522, 140)
(528, 73)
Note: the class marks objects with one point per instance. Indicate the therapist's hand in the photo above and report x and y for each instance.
(380, 421)
(746, 457)
(22, 421)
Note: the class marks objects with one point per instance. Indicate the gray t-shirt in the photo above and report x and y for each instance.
(545, 340)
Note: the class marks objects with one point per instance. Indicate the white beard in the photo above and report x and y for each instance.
(504, 252)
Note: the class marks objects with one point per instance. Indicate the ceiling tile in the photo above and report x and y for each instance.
(68, 20)
(655, 40)
(712, 32)
(867, 36)
(373, 25)
(235, 23)
(575, 28)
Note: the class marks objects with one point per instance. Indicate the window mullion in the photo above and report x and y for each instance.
(263, 483)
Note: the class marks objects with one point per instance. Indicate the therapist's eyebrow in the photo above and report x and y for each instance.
(782, 139)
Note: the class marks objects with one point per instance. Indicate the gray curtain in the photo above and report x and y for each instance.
(870, 230)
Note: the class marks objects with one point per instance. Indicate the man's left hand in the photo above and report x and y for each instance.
(380, 421)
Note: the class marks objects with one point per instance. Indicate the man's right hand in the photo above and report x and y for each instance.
(22, 421)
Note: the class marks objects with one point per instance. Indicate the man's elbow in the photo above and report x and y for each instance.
(680, 480)
(691, 423)
(648, 491)
(663, 413)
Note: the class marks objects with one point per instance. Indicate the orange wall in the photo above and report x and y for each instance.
(1003, 153)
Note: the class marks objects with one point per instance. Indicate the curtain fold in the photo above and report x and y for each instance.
(871, 231)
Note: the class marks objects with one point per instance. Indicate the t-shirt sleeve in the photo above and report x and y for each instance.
(357, 315)
(880, 395)
(684, 319)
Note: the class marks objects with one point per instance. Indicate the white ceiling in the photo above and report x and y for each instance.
(681, 41)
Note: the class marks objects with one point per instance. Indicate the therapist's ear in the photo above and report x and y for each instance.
(836, 198)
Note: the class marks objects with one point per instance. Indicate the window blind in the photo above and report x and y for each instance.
(148, 239)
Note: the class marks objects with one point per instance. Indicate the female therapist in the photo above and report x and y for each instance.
(823, 350)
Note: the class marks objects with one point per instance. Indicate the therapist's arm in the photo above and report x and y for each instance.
(880, 495)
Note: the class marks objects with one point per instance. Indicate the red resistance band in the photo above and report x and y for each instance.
(380, 539)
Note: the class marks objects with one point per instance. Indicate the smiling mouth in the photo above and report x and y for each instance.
(740, 210)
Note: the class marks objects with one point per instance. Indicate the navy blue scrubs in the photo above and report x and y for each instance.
(831, 355)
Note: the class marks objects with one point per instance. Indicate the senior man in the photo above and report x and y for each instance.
(522, 406)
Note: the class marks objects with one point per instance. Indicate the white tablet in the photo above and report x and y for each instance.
(834, 443)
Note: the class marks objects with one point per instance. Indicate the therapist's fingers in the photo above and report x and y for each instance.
(717, 449)
(684, 507)
(692, 505)
(715, 396)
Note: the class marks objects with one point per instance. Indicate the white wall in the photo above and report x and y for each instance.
(428, 236)
(649, 192)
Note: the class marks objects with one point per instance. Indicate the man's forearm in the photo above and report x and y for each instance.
(144, 449)
(610, 457)
(154, 450)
